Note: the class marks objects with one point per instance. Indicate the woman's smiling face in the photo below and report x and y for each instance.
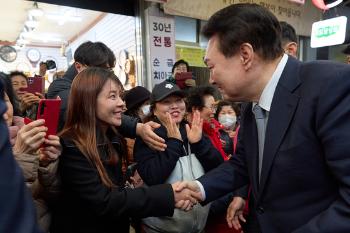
(174, 105)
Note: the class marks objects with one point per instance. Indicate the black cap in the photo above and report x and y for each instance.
(135, 96)
(163, 90)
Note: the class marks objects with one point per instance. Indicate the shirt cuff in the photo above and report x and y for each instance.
(201, 189)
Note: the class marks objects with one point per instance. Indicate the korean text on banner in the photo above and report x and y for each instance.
(162, 47)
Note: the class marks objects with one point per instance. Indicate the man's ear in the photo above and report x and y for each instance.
(291, 48)
(246, 53)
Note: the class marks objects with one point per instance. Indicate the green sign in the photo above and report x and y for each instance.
(328, 32)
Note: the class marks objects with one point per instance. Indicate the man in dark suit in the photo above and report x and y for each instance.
(17, 213)
(294, 141)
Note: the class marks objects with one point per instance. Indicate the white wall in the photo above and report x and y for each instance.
(22, 63)
(116, 31)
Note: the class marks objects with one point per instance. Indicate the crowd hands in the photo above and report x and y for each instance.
(187, 194)
(27, 99)
(30, 139)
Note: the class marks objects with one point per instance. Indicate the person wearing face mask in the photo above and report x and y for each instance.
(227, 113)
(137, 102)
(138, 106)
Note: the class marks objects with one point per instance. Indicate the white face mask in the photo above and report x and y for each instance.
(228, 121)
(146, 109)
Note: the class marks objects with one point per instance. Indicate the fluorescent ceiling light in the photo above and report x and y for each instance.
(64, 17)
(67, 16)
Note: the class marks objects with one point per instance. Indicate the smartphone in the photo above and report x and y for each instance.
(35, 84)
(180, 78)
(49, 110)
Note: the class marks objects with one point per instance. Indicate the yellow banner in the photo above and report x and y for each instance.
(194, 56)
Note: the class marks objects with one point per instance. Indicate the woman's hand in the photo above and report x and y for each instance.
(30, 137)
(194, 134)
(51, 151)
(172, 127)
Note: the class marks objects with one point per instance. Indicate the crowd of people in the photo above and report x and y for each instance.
(270, 156)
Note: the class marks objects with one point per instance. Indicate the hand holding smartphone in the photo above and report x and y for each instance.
(180, 78)
(48, 110)
(35, 85)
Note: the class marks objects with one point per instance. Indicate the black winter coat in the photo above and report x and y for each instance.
(87, 206)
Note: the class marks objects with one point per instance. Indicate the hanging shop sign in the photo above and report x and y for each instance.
(162, 47)
(321, 4)
(328, 32)
(298, 15)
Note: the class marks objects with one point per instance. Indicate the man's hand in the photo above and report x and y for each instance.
(235, 213)
(145, 131)
(194, 134)
(30, 137)
(185, 198)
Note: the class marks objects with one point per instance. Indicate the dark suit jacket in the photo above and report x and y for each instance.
(17, 212)
(305, 179)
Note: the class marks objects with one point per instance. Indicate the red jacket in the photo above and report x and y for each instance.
(211, 129)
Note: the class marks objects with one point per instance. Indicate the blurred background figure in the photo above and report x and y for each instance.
(181, 66)
(137, 102)
(27, 102)
(289, 39)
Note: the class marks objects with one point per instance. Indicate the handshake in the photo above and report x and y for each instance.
(186, 194)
